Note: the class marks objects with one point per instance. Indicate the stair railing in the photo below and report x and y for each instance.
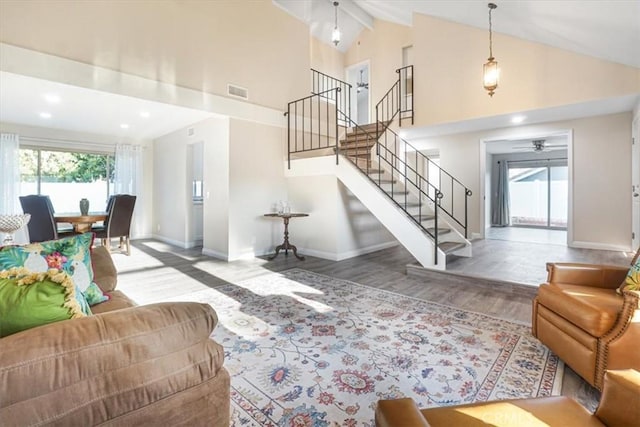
(427, 193)
(312, 124)
(324, 83)
(398, 102)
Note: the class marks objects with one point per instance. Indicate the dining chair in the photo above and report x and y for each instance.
(42, 226)
(118, 222)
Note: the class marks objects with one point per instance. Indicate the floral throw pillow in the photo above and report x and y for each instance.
(632, 281)
(70, 254)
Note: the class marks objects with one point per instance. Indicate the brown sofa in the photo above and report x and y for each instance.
(579, 315)
(126, 365)
(619, 407)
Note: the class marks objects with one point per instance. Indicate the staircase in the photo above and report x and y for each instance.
(376, 167)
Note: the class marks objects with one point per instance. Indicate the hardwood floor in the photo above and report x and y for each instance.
(157, 271)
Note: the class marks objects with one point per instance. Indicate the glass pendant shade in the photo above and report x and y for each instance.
(490, 75)
(335, 36)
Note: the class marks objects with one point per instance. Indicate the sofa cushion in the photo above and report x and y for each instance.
(117, 301)
(31, 299)
(70, 254)
(105, 274)
(593, 310)
(118, 360)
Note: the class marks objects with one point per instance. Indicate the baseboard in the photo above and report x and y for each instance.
(599, 246)
(215, 254)
(333, 256)
(183, 245)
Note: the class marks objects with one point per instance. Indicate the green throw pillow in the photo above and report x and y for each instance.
(30, 299)
(70, 254)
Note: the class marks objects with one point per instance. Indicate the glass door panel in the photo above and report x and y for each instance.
(558, 196)
(529, 196)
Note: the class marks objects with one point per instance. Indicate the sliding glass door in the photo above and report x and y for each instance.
(538, 194)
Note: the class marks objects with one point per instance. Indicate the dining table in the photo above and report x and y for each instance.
(81, 223)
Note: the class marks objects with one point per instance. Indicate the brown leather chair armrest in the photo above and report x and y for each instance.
(599, 276)
(620, 401)
(400, 413)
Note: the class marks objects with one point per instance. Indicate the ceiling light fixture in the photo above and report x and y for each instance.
(45, 115)
(490, 69)
(145, 114)
(124, 126)
(517, 119)
(335, 35)
(361, 84)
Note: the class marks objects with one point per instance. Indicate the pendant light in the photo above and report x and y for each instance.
(335, 35)
(490, 69)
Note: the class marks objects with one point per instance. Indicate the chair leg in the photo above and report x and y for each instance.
(128, 242)
(107, 244)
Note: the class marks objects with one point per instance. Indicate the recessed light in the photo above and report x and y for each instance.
(45, 115)
(517, 119)
(52, 98)
(124, 126)
(145, 114)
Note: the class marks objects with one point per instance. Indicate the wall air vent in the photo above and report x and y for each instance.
(237, 91)
(190, 132)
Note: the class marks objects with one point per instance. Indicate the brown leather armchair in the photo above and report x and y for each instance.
(619, 407)
(579, 315)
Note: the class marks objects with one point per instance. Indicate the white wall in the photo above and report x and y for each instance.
(601, 213)
(256, 182)
(338, 226)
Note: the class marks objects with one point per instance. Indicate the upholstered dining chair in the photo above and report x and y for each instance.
(42, 226)
(118, 222)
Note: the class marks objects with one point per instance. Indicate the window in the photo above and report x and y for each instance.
(66, 177)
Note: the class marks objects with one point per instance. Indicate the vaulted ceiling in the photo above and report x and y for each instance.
(603, 29)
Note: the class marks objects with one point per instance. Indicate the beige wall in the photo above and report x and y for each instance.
(448, 75)
(383, 48)
(326, 58)
(202, 45)
(448, 60)
(601, 214)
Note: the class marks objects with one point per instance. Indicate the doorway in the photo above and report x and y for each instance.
(195, 171)
(528, 189)
(358, 76)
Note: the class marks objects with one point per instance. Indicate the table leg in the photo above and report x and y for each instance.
(286, 246)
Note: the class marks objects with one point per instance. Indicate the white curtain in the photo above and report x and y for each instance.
(128, 179)
(9, 173)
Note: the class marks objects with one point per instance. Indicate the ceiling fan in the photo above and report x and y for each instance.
(539, 145)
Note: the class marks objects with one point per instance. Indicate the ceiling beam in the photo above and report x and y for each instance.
(356, 12)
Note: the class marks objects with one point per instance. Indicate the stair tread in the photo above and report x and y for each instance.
(441, 230)
(448, 247)
(351, 138)
(408, 204)
(424, 217)
(354, 144)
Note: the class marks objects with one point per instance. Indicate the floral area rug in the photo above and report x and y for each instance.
(305, 349)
